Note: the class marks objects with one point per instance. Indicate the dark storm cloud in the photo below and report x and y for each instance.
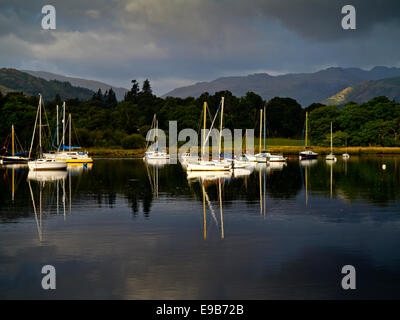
(321, 19)
(179, 41)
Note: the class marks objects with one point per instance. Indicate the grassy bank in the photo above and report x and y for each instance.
(287, 150)
(338, 151)
(115, 153)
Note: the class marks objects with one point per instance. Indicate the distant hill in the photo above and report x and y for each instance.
(28, 84)
(306, 88)
(4, 90)
(84, 83)
(366, 91)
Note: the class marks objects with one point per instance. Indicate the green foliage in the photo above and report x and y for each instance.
(133, 141)
(101, 121)
(285, 117)
(374, 123)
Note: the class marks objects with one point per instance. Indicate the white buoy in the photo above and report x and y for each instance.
(384, 167)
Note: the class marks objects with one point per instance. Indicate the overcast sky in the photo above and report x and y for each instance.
(179, 42)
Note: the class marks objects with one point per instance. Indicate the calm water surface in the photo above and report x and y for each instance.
(125, 230)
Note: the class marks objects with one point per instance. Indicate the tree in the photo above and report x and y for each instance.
(132, 94)
(285, 117)
(98, 96)
(146, 88)
(110, 99)
(133, 141)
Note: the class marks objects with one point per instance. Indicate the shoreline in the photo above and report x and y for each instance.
(285, 150)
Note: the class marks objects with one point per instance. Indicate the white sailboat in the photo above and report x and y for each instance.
(205, 164)
(265, 156)
(41, 163)
(307, 154)
(153, 152)
(243, 161)
(331, 156)
(14, 158)
(64, 153)
(346, 155)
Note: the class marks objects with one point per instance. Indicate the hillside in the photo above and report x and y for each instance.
(306, 88)
(78, 82)
(28, 84)
(366, 91)
(4, 90)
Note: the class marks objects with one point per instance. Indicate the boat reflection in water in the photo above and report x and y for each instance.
(270, 166)
(16, 167)
(308, 162)
(152, 169)
(243, 172)
(330, 163)
(48, 183)
(77, 169)
(208, 176)
(159, 163)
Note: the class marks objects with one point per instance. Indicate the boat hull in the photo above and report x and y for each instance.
(14, 160)
(69, 157)
(71, 161)
(156, 155)
(208, 166)
(331, 157)
(308, 156)
(38, 165)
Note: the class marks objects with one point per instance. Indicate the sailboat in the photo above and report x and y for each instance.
(153, 152)
(265, 156)
(331, 156)
(14, 158)
(346, 155)
(42, 163)
(205, 164)
(66, 153)
(307, 154)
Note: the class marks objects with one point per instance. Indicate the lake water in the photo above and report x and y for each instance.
(124, 230)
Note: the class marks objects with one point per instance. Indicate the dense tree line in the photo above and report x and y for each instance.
(103, 122)
(374, 123)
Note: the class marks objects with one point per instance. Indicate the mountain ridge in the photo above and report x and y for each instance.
(93, 85)
(15, 80)
(367, 90)
(306, 88)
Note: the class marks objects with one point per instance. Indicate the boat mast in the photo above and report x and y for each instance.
(157, 135)
(261, 117)
(40, 126)
(34, 128)
(69, 135)
(12, 139)
(265, 131)
(220, 128)
(58, 140)
(63, 121)
(331, 140)
(204, 128)
(306, 128)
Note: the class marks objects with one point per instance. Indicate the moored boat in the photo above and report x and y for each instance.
(331, 156)
(41, 163)
(307, 154)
